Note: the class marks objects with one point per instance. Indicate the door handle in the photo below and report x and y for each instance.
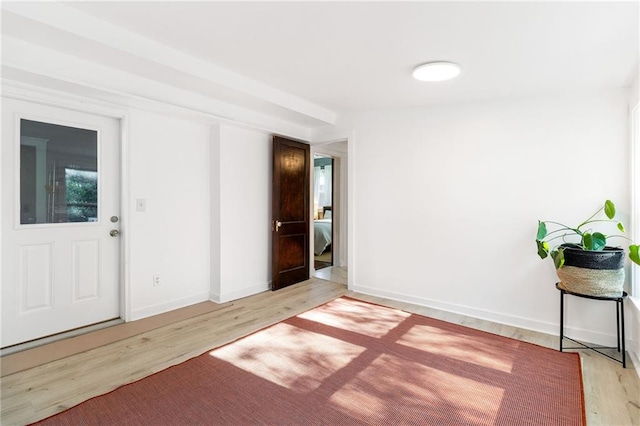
(114, 232)
(276, 225)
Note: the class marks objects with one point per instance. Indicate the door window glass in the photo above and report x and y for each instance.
(58, 173)
(322, 185)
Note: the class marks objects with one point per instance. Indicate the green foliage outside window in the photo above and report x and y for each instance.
(82, 195)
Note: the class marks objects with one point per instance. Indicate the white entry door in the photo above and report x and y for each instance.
(60, 209)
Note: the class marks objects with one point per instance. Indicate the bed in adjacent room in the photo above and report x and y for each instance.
(322, 230)
(322, 235)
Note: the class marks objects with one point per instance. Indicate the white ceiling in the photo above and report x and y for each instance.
(345, 56)
(360, 55)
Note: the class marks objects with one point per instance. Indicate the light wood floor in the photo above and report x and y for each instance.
(612, 393)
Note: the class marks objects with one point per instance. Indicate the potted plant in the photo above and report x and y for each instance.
(587, 266)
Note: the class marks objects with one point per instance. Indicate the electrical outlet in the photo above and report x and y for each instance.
(156, 280)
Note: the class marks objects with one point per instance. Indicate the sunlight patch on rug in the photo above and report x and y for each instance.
(358, 317)
(297, 359)
(391, 388)
(478, 350)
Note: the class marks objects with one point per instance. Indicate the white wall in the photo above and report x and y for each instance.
(447, 201)
(169, 167)
(242, 169)
(633, 310)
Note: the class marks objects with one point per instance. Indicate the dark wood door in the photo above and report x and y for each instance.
(291, 211)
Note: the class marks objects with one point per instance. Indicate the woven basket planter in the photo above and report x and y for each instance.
(595, 273)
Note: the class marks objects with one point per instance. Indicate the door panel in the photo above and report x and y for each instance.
(291, 252)
(291, 207)
(34, 282)
(60, 185)
(292, 180)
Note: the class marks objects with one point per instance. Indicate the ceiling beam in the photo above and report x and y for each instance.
(71, 20)
(33, 64)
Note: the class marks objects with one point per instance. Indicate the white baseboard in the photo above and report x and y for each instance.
(633, 347)
(239, 294)
(635, 358)
(497, 317)
(214, 297)
(161, 308)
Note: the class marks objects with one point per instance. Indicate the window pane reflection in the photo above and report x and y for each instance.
(58, 173)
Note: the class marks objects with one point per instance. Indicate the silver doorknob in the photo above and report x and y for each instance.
(114, 232)
(276, 225)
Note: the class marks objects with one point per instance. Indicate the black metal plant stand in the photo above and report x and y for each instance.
(619, 323)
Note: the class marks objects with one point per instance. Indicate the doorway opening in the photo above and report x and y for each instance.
(335, 211)
(323, 178)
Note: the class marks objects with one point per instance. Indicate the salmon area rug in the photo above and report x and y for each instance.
(350, 362)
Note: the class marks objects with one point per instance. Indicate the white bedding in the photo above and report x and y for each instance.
(322, 235)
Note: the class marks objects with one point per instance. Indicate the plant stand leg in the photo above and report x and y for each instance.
(624, 352)
(618, 322)
(561, 318)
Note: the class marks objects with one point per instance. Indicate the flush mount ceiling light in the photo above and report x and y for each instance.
(436, 71)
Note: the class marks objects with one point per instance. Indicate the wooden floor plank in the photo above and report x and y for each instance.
(63, 348)
(612, 393)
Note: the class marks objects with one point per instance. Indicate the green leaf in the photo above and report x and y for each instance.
(558, 258)
(594, 242)
(609, 209)
(621, 227)
(599, 241)
(634, 255)
(543, 249)
(542, 231)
